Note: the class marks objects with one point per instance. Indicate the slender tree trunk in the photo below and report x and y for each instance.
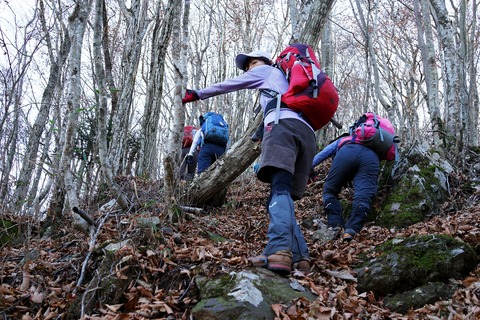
(327, 51)
(462, 54)
(56, 66)
(466, 35)
(78, 21)
(38, 179)
(172, 174)
(136, 27)
(368, 103)
(11, 148)
(148, 163)
(294, 20)
(452, 81)
(427, 49)
(473, 102)
(319, 12)
(102, 89)
(113, 90)
(327, 64)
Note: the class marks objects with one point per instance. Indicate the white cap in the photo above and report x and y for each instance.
(242, 58)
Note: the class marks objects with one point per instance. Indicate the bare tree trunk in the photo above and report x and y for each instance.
(113, 90)
(11, 148)
(38, 177)
(78, 21)
(327, 64)
(148, 163)
(369, 103)
(327, 50)
(135, 30)
(172, 174)
(56, 66)
(474, 101)
(452, 81)
(427, 49)
(468, 90)
(102, 89)
(319, 12)
(294, 20)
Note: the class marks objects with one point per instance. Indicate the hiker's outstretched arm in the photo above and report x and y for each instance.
(327, 152)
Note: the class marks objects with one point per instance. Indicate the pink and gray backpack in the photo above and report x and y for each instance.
(377, 133)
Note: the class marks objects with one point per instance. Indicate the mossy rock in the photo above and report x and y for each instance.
(418, 297)
(245, 295)
(407, 263)
(419, 187)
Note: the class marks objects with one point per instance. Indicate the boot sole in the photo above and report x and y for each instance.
(279, 268)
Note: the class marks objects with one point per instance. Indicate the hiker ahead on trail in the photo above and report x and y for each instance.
(357, 158)
(212, 140)
(188, 164)
(287, 152)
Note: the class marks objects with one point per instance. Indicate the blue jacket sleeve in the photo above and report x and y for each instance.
(327, 152)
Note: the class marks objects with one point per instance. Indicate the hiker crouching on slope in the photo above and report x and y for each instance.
(353, 162)
(286, 156)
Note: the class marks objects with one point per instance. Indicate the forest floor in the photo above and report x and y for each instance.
(48, 277)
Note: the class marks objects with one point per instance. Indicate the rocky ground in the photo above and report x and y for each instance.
(49, 277)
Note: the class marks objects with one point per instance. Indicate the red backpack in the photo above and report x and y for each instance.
(310, 90)
(377, 133)
(188, 133)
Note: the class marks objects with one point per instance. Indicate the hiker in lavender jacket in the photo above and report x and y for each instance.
(288, 147)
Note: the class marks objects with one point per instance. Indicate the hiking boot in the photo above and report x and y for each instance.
(334, 232)
(347, 237)
(258, 261)
(280, 262)
(303, 266)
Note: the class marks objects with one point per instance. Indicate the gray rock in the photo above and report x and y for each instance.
(408, 263)
(418, 297)
(248, 294)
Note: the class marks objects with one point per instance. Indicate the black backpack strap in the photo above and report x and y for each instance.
(272, 105)
(269, 93)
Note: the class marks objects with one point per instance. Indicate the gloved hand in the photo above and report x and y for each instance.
(190, 159)
(190, 96)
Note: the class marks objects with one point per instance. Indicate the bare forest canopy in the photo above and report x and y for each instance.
(91, 89)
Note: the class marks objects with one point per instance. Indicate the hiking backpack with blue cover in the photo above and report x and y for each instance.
(377, 133)
(310, 91)
(215, 128)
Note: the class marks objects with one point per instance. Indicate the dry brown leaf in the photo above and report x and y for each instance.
(131, 304)
(114, 307)
(36, 295)
(277, 309)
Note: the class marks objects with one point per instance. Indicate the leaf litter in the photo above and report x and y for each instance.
(39, 276)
